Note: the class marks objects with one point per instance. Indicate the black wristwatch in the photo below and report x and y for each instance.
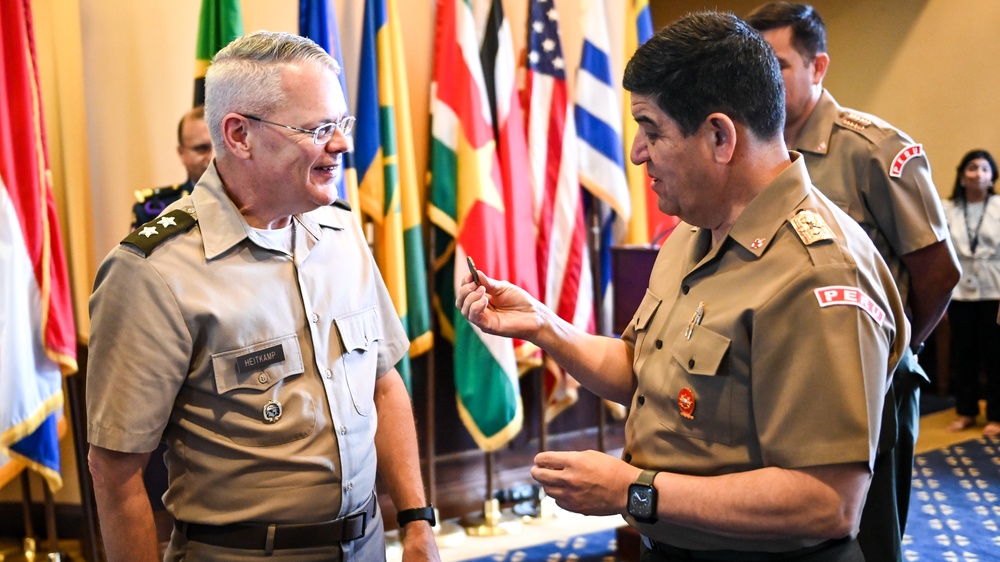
(642, 497)
(416, 514)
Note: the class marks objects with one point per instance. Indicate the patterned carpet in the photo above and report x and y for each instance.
(955, 507)
(954, 514)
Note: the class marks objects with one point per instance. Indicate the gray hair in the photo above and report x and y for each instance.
(245, 76)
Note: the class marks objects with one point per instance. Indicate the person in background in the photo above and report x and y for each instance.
(748, 437)
(882, 179)
(258, 339)
(973, 215)
(194, 147)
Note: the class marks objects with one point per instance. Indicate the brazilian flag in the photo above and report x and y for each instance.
(221, 21)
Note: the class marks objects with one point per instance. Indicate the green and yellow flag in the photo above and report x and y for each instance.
(388, 190)
(221, 21)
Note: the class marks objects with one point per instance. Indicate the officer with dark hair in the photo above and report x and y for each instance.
(880, 177)
(748, 437)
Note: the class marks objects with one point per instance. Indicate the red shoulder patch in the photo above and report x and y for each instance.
(904, 156)
(849, 296)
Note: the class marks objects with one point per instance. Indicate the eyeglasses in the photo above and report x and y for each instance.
(321, 134)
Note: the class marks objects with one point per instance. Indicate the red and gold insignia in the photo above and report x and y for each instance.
(685, 401)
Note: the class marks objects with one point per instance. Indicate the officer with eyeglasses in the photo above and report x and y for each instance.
(257, 340)
(194, 147)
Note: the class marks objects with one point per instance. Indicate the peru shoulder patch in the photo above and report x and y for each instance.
(908, 153)
(835, 295)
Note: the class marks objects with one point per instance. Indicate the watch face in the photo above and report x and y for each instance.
(640, 501)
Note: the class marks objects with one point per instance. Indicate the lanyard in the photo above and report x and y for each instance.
(973, 233)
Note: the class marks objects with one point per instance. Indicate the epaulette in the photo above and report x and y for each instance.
(342, 203)
(811, 227)
(155, 232)
(854, 121)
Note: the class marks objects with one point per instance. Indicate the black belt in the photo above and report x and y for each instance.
(674, 553)
(259, 536)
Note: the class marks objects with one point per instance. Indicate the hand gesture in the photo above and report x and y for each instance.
(587, 482)
(500, 308)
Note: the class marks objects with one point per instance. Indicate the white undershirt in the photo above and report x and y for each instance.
(278, 239)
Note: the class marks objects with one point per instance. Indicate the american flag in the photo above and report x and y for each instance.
(564, 273)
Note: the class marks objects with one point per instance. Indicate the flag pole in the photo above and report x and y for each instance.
(543, 425)
(492, 521)
(431, 444)
(600, 316)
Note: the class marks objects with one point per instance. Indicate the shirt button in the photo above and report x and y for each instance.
(328, 374)
(343, 430)
(690, 363)
(659, 344)
(628, 457)
(642, 400)
(349, 486)
(314, 317)
(262, 378)
(685, 289)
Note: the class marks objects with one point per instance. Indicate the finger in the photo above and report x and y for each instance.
(554, 460)
(550, 480)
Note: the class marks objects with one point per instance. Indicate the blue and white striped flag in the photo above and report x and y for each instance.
(318, 21)
(599, 141)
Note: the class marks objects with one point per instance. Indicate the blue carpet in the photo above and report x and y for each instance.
(955, 506)
(594, 547)
(954, 514)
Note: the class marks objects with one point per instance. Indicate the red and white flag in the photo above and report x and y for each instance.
(500, 69)
(566, 284)
(37, 332)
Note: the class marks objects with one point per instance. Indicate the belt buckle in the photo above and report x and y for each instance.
(349, 526)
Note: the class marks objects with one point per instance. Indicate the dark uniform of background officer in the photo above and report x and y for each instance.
(879, 176)
(194, 147)
(257, 340)
(757, 362)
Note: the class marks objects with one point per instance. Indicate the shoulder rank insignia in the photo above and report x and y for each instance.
(854, 121)
(342, 203)
(811, 227)
(150, 235)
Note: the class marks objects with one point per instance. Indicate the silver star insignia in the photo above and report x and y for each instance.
(148, 231)
(166, 221)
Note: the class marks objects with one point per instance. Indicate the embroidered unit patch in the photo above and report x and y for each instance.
(852, 296)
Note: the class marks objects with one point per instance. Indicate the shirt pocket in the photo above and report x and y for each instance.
(702, 381)
(360, 333)
(642, 318)
(261, 404)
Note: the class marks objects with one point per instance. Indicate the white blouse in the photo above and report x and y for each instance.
(980, 269)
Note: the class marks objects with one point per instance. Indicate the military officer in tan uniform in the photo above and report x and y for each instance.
(882, 179)
(258, 340)
(756, 364)
(194, 147)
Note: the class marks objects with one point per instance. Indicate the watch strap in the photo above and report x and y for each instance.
(417, 514)
(646, 477)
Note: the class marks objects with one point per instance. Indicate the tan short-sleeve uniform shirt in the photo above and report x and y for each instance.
(771, 349)
(879, 176)
(257, 368)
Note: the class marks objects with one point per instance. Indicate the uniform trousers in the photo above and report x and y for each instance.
(883, 519)
(832, 551)
(975, 347)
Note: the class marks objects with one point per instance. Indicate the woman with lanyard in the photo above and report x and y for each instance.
(973, 215)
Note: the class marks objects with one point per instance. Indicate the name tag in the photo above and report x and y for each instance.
(259, 359)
